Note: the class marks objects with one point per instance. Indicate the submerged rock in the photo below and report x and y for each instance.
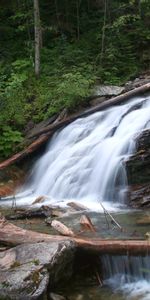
(27, 270)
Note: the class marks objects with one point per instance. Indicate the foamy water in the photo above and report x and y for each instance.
(84, 162)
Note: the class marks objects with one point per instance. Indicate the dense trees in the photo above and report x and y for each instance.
(82, 41)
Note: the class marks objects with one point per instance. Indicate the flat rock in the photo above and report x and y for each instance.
(107, 90)
(27, 270)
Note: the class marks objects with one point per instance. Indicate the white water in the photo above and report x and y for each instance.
(84, 162)
(128, 274)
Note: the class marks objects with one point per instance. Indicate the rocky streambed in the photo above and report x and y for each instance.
(48, 270)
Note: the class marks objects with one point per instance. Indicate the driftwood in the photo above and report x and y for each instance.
(42, 212)
(77, 206)
(111, 217)
(13, 235)
(61, 228)
(86, 223)
(39, 199)
(44, 134)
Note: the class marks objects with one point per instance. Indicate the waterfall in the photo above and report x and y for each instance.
(127, 274)
(84, 162)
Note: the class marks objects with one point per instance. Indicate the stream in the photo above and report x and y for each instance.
(85, 163)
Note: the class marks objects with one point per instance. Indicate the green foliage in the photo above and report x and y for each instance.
(72, 56)
(67, 90)
(9, 139)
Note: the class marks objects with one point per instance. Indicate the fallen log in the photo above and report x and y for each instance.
(77, 206)
(12, 235)
(42, 212)
(50, 129)
(113, 101)
(86, 223)
(61, 228)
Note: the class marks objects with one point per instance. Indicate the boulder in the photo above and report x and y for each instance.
(27, 270)
(107, 90)
(138, 172)
(137, 82)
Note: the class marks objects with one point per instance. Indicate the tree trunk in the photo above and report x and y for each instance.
(78, 20)
(37, 32)
(103, 32)
(13, 235)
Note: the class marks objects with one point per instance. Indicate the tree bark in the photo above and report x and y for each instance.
(103, 32)
(13, 235)
(37, 32)
(49, 130)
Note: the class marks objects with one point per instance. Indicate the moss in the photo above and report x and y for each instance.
(15, 264)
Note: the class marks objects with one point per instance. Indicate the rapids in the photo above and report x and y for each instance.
(84, 162)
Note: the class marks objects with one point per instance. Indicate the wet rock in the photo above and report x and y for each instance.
(139, 196)
(10, 179)
(138, 165)
(138, 172)
(57, 297)
(27, 270)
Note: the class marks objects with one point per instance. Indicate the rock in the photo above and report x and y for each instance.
(10, 178)
(144, 221)
(147, 236)
(57, 297)
(97, 101)
(80, 297)
(137, 82)
(139, 195)
(27, 270)
(138, 172)
(107, 90)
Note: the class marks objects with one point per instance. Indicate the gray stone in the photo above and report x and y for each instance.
(137, 82)
(108, 90)
(54, 296)
(138, 172)
(27, 270)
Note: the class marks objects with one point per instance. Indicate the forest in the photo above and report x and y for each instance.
(53, 52)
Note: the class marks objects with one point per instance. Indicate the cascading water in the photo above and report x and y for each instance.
(84, 162)
(128, 274)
